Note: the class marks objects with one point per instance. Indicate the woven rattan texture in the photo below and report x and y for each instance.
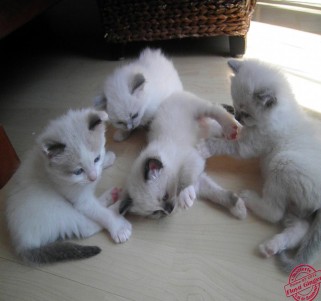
(126, 21)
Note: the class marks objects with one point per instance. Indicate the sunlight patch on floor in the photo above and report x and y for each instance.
(312, 9)
(298, 53)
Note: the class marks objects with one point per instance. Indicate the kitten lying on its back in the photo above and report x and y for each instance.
(276, 130)
(133, 92)
(52, 195)
(170, 170)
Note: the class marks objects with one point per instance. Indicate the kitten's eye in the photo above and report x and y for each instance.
(245, 115)
(121, 123)
(135, 116)
(78, 172)
(97, 159)
(165, 197)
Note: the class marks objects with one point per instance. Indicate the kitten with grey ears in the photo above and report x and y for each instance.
(52, 194)
(276, 130)
(169, 172)
(133, 92)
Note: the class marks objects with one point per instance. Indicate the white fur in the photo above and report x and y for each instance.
(173, 135)
(288, 145)
(47, 201)
(121, 102)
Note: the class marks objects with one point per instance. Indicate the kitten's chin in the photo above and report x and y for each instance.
(159, 214)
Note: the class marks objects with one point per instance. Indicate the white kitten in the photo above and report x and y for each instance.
(52, 195)
(170, 170)
(133, 92)
(277, 130)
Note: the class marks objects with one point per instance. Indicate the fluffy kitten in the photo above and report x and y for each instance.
(277, 130)
(170, 170)
(133, 92)
(52, 196)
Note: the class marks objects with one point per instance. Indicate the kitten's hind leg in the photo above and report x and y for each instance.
(289, 238)
(208, 189)
(109, 159)
(270, 207)
(229, 125)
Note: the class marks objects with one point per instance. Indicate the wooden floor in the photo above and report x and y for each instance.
(199, 254)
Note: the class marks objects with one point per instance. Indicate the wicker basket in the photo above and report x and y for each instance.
(127, 21)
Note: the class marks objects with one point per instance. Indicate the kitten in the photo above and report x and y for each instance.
(133, 92)
(170, 171)
(277, 130)
(52, 196)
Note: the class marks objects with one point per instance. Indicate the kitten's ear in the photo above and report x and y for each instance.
(266, 97)
(100, 102)
(152, 169)
(234, 65)
(95, 119)
(125, 205)
(137, 83)
(52, 148)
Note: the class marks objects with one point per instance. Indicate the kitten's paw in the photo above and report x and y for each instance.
(239, 209)
(121, 135)
(115, 194)
(269, 248)
(121, 230)
(110, 196)
(203, 148)
(109, 160)
(187, 197)
(231, 129)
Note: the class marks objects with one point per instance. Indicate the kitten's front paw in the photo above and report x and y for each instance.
(187, 197)
(231, 129)
(109, 160)
(203, 148)
(239, 209)
(269, 248)
(121, 230)
(121, 135)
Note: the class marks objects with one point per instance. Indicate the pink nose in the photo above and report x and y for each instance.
(92, 175)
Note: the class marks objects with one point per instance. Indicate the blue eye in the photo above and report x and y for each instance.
(97, 159)
(135, 116)
(78, 172)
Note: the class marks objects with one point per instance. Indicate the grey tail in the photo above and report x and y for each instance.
(57, 252)
(310, 246)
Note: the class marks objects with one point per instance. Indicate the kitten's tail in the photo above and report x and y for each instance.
(58, 251)
(309, 247)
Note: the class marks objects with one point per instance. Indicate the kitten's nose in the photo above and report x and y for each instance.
(92, 175)
(130, 126)
(168, 207)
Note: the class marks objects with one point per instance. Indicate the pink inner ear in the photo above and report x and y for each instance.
(153, 165)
